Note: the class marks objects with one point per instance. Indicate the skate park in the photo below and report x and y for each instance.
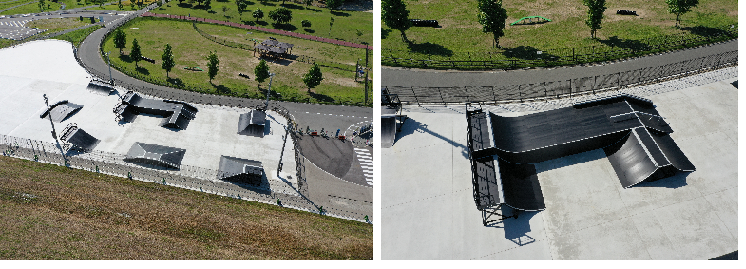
(205, 134)
(587, 213)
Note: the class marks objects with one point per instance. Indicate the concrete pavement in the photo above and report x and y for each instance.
(428, 211)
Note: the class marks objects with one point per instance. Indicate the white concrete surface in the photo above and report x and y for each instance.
(428, 211)
(49, 67)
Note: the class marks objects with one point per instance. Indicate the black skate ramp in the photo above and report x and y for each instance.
(331, 155)
(100, 87)
(388, 130)
(60, 111)
(632, 133)
(240, 170)
(252, 123)
(78, 138)
(152, 154)
(176, 114)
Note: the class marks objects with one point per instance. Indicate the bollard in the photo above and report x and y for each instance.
(366, 218)
(36, 158)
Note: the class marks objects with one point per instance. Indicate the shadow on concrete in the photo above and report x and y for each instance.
(516, 229)
(735, 84)
(411, 126)
(570, 160)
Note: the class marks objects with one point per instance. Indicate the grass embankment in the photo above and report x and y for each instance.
(460, 32)
(125, 6)
(77, 36)
(52, 212)
(6, 5)
(346, 23)
(31, 8)
(57, 24)
(191, 49)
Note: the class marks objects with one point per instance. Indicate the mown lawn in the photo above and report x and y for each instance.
(345, 27)
(30, 8)
(52, 212)
(190, 49)
(57, 24)
(460, 31)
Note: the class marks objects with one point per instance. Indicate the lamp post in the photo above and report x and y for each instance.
(111, 81)
(271, 76)
(49, 114)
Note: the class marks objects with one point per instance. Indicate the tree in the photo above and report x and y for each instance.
(168, 59)
(120, 5)
(313, 78)
(225, 9)
(492, 17)
(596, 10)
(212, 65)
(258, 14)
(396, 16)
(281, 15)
(333, 4)
(135, 54)
(308, 2)
(120, 39)
(41, 5)
(241, 7)
(208, 4)
(679, 7)
(305, 23)
(261, 72)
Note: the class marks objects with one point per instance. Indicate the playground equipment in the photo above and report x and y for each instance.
(530, 19)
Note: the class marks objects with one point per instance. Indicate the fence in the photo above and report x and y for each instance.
(565, 88)
(113, 164)
(523, 57)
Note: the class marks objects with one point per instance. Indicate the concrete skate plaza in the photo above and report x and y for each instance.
(428, 211)
(49, 67)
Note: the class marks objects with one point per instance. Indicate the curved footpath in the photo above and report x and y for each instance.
(395, 76)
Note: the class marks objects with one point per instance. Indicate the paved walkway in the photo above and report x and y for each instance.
(274, 31)
(392, 76)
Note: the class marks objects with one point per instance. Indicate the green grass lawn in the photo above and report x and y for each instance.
(460, 36)
(77, 36)
(12, 4)
(57, 24)
(346, 23)
(30, 8)
(190, 49)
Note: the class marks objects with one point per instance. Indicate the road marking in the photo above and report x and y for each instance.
(366, 163)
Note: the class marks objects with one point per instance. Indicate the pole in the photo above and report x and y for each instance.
(271, 76)
(366, 77)
(46, 102)
(111, 80)
(284, 140)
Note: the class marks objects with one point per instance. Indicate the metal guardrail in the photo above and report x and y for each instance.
(564, 88)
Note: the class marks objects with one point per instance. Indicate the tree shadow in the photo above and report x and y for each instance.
(285, 26)
(339, 13)
(385, 33)
(292, 6)
(309, 30)
(527, 53)
(430, 49)
(125, 58)
(142, 70)
(175, 81)
(705, 31)
(212, 11)
(228, 16)
(185, 5)
(321, 97)
(615, 41)
(222, 89)
(224, 1)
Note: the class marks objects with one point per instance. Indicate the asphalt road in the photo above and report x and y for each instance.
(393, 76)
